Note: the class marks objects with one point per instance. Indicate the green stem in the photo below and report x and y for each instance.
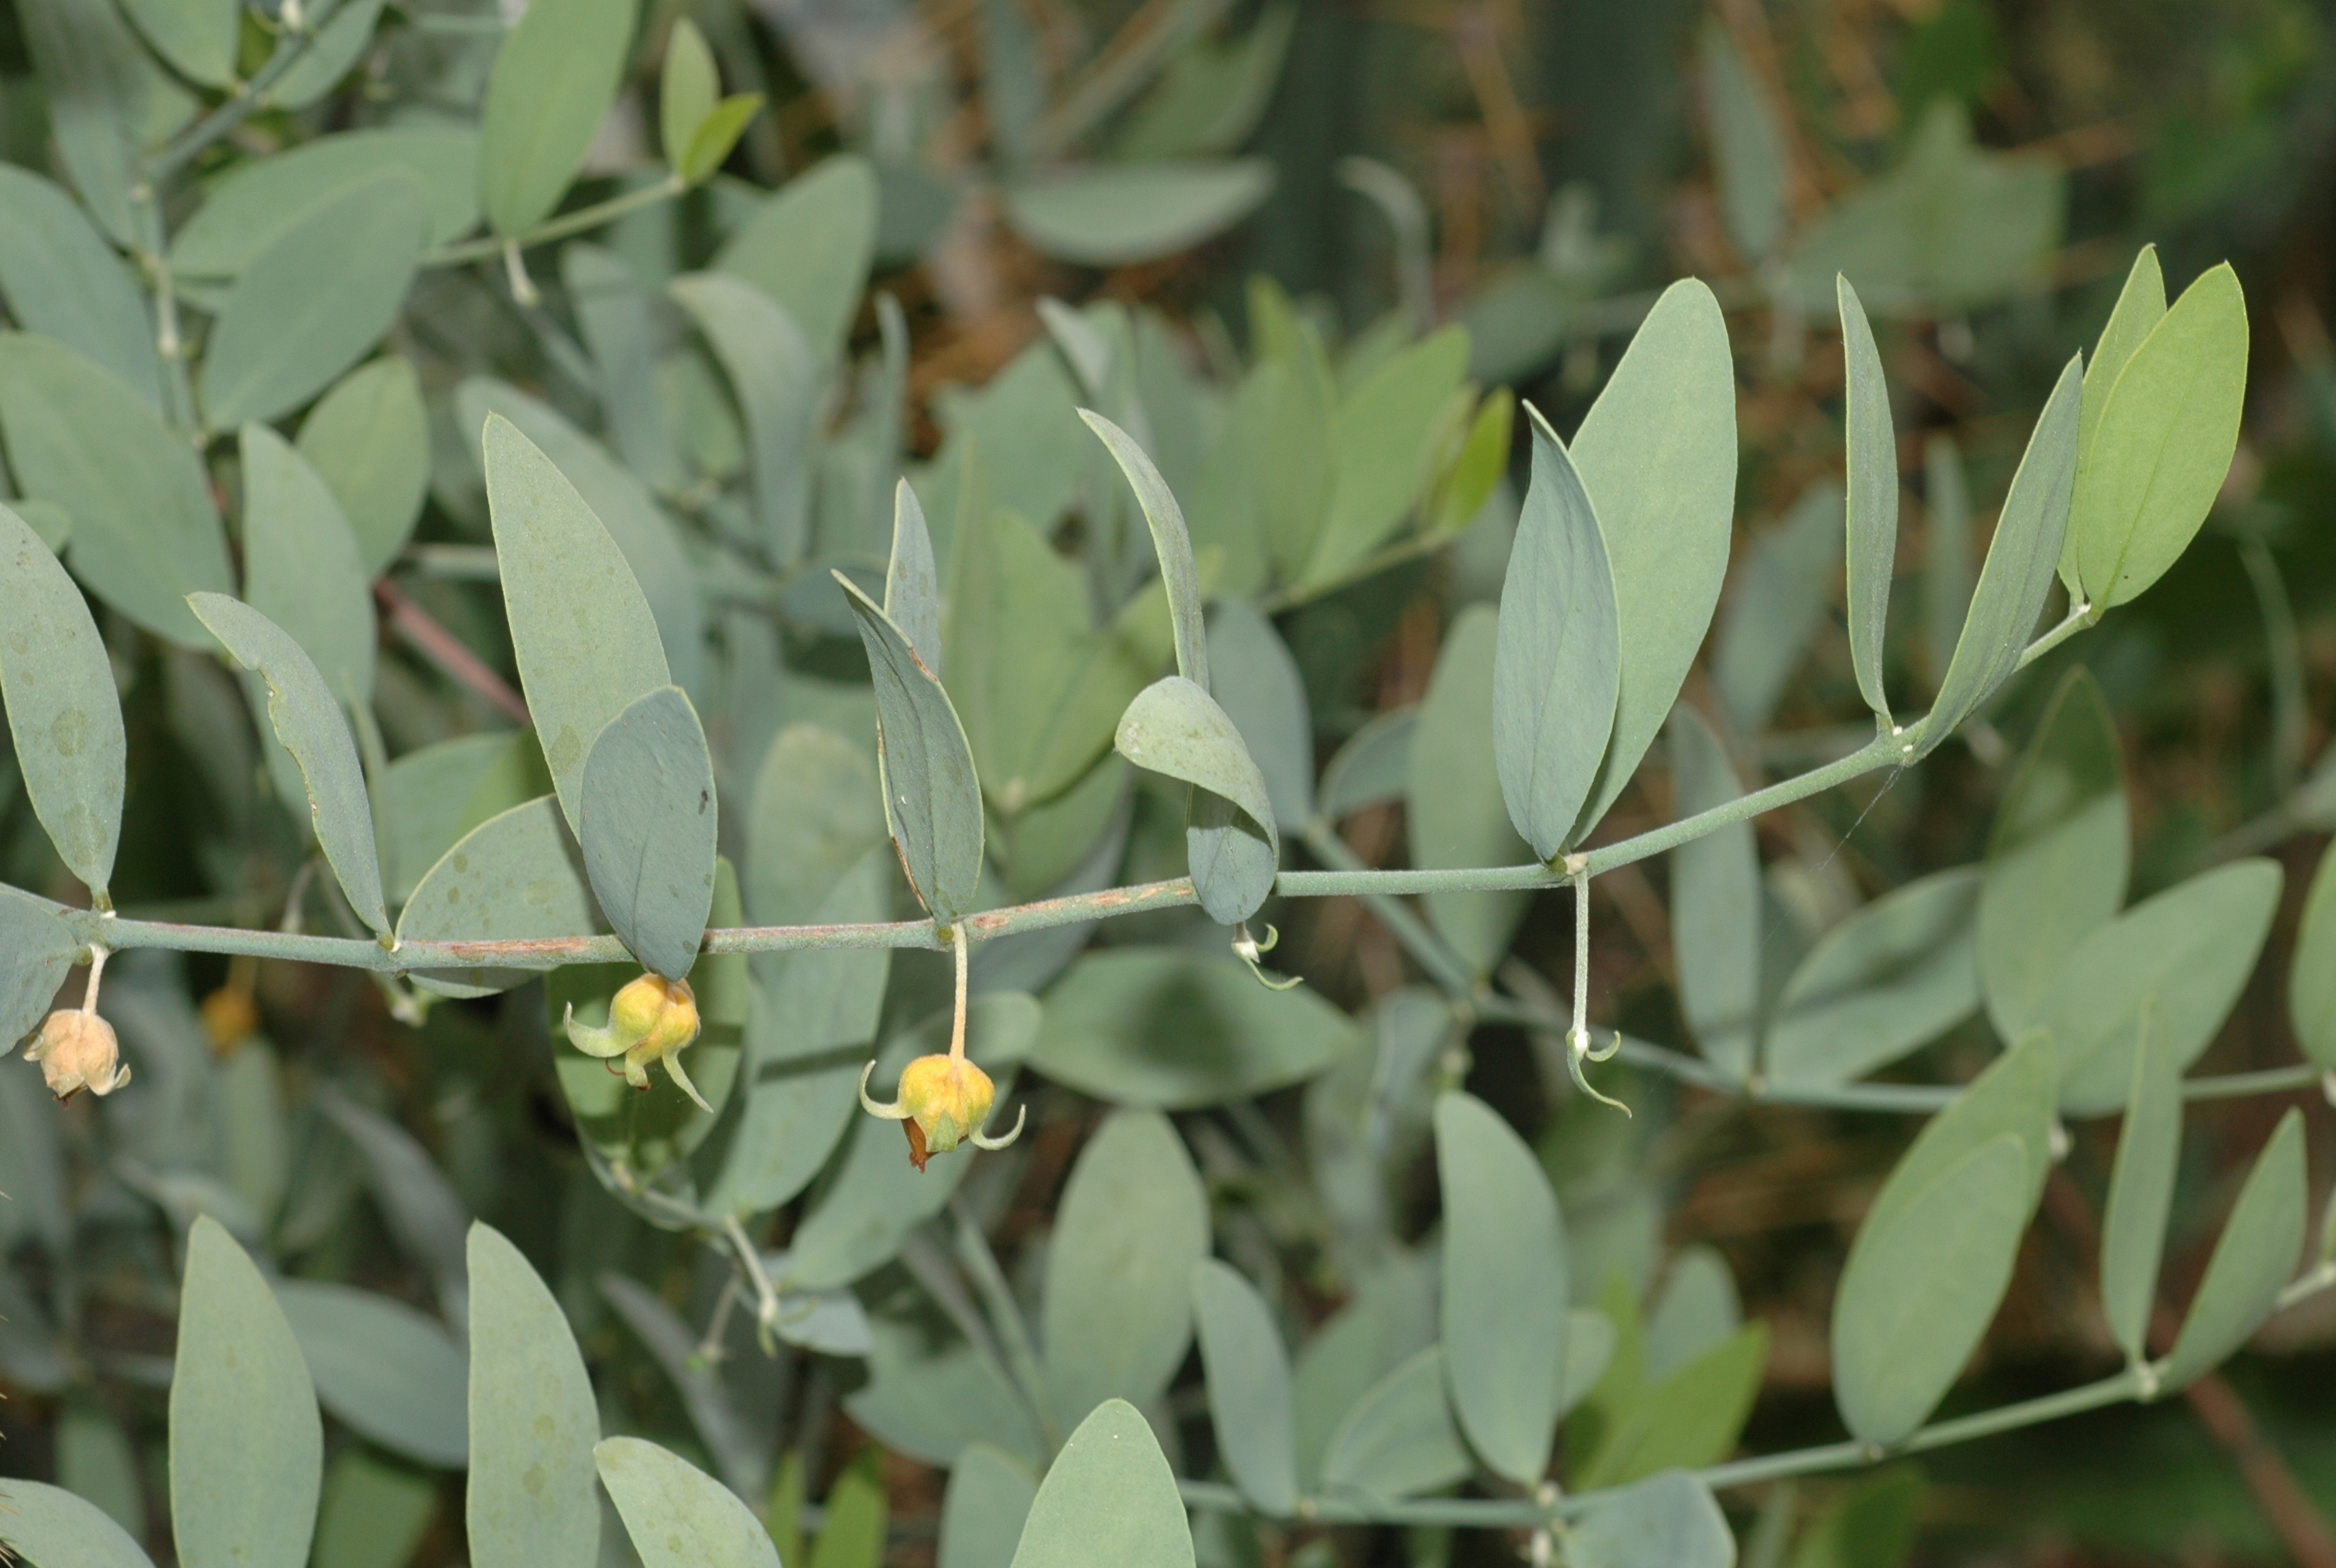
(249, 98)
(559, 227)
(1431, 952)
(2080, 616)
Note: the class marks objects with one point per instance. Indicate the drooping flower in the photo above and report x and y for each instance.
(944, 1100)
(649, 1021)
(78, 1050)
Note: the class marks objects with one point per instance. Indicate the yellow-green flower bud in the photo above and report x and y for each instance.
(943, 1100)
(649, 1021)
(78, 1050)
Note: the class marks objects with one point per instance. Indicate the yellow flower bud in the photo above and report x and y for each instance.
(77, 1051)
(944, 1101)
(229, 1018)
(649, 1021)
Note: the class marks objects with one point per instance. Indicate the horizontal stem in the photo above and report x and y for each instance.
(559, 227)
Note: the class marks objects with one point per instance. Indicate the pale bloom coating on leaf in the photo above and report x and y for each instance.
(78, 1050)
(650, 1021)
(944, 1100)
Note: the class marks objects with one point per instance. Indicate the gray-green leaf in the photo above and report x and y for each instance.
(775, 376)
(1399, 1438)
(1777, 607)
(301, 569)
(1172, 542)
(1454, 791)
(530, 1500)
(515, 876)
(1872, 497)
(2312, 973)
(64, 281)
(647, 826)
(1896, 974)
(913, 584)
(983, 1512)
(383, 1368)
(1175, 727)
(2140, 306)
(678, 1515)
(1667, 1521)
(63, 713)
(49, 1524)
(39, 950)
(1247, 1370)
(2141, 1187)
(553, 79)
(808, 245)
(2253, 1259)
(1111, 215)
(1715, 902)
(368, 439)
(1109, 1497)
(1260, 689)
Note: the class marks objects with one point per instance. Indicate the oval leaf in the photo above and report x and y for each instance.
(1399, 1438)
(1896, 974)
(2140, 306)
(2312, 970)
(515, 877)
(1670, 1520)
(808, 247)
(63, 713)
(1109, 1497)
(301, 569)
(368, 439)
(1872, 497)
(1247, 1370)
(2141, 1187)
(381, 1368)
(678, 1515)
(48, 1524)
(1453, 793)
(1715, 902)
(530, 1499)
(1111, 215)
(647, 828)
(553, 79)
(770, 369)
(983, 1512)
(1175, 727)
(2253, 1259)
(64, 282)
(36, 952)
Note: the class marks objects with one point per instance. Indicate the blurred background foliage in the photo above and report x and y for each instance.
(1370, 168)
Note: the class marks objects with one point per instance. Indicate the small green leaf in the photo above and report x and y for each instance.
(64, 716)
(717, 133)
(1692, 1417)
(2019, 563)
(775, 376)
(1556, 671)
(1503, 1301)
(1715, 902)
(1132, 1226)
(64, 282)
(314, 302)
(307, 720)
(2253, 1259)
(1777, 607)
(1872, 497)
(1170, 541)
(301, 569)
(2164, 442)
(1656, 457)
(913, 584)
(144, 534)
(1399, 1438)
(647, 828)
(376, 1512)
(1177, 1030)
(105, 96)
(2312, 971)
(1262, 690)
(197, 37)
(368, 439)
(678, 1515)
(1109, 1497)
(530, 1498)
(247, 1448)
(687, 92)
(1374, 767)
(381, 1368)
(1873, 1527)
(515, 877)
(985, 1508)
(49, 1524)
(1920, 1288)
(1247, 1370)
(808, 247)
(1111, 215)
(39, 950)
(2208, 930)
(2140, 306)
(1381, 444)
(582, 631)
(1667, 1521)
(1478, 466)
(1896, 974)
(259, 200)
(1454, 791)
(2057, 857)
(932, 795)
(1175, 727)
(2141, 1185)
(553, 80)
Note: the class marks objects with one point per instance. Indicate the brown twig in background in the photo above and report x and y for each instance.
(445, 650)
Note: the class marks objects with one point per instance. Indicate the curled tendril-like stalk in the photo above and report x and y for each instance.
(1251, 950)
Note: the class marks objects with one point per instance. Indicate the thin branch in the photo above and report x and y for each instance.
(444, 649)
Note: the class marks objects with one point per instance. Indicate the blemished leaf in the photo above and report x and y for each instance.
(1778, 606)
(2208, 930)
(530, 1498)
(2141, 1187)
(2020, 559)
(1375, 765)
(2252, 1260)
(1247, 1370)
(314, 302)
(1503, 1288)
(912, 583)
(1747, 144)
(1896, 974)
(301, 569)
(64, 716)
(647, 828)
(368, 439)
(1176, 1030)
(1399, 1437)
(435, 793)
(1919, 1290)
(261, 198)
(1259, 686)
(859, 1220)
(553, 79)
(2140, 306)
(1715, 902)
(646, 535)
(1873, 492)
(932, 795)
(48, 1524)
(375, 1512)
(515, 876)
(1691, 1418)
(36, 952)
(807, 246)
(1111, 215)
(1556, 668)
(306, 718)
(1132, 1226)
(63, 281)
(1175, 727)
(985, 1508)
(383, 1368)
(197, 37)
(247, 1447)
(1381, 443)
(775, 376)
(1171, 542)
(584, 640)
(1667, 1521)
(1656, 457)
(2164, 442)
(2312, 971)
(1872, 1527)
(1454, 791)
(105, 96)
(678, 1515)
(1109, 1497)
(2057, 857)
(144, 535)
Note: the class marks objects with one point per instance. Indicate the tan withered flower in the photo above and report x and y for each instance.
(78, 1050)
